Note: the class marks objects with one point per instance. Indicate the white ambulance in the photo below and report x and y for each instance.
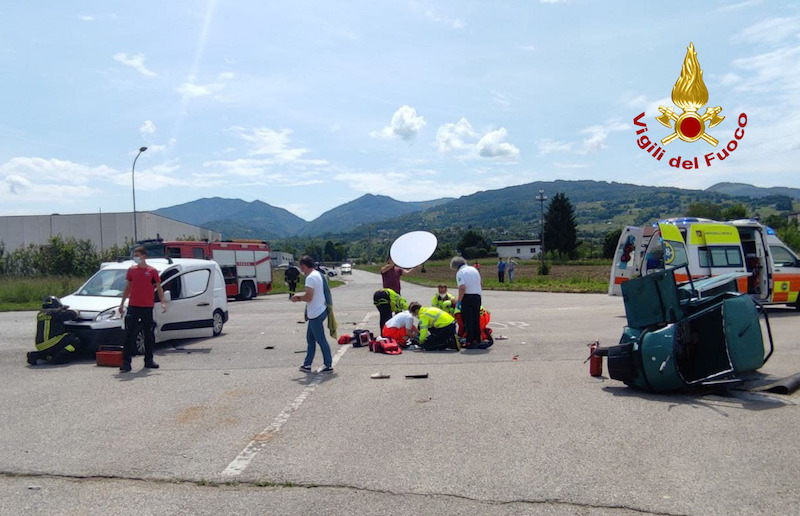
(768, 270)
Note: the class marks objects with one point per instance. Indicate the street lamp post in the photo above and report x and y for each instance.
(133, 189)
(541, 198)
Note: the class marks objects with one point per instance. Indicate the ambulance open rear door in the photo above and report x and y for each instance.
(626, 259)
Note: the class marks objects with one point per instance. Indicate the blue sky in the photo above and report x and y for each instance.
(309, 104)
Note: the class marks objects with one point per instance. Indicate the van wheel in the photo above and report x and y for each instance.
(139, 348)
(218, 322)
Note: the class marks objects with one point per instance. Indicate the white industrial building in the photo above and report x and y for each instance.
(521, 249)
(280, 258)
(103, 229)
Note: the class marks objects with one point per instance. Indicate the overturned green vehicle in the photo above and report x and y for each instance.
(700, 333)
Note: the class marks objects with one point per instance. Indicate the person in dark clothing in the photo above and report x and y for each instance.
(142, 280)
(388, 302)
(53, 343)
(292, 276)
(501, 270)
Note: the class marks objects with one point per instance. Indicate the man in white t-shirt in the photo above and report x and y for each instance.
(400, 327)
(316, 312)
(470, 288)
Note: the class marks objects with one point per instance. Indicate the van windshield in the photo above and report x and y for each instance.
(106, 283)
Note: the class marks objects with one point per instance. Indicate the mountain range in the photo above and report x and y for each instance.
(512, 211)
(236, 218)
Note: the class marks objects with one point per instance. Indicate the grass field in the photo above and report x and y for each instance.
(279, 287)
(27, 293)
(579, 277)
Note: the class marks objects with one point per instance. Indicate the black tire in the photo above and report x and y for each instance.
(219, 322)
(248, 291)
(139, 348)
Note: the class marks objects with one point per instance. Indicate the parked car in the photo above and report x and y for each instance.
(197, 305)
(346, 268)
(329, 271)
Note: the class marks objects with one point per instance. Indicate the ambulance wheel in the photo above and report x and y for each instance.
(248, 292)
(139, 340)
(219, 321)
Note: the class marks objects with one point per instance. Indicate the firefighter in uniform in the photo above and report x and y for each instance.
(53, 342)
(388, 302)
(444, 300)
(437, 328)
(292, 275)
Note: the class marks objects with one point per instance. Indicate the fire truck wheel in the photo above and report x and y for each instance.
(218, 322)
(247, 292)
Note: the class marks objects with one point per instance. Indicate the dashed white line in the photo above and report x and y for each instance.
(246, 456)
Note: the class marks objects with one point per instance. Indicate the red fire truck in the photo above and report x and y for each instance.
(245, 264)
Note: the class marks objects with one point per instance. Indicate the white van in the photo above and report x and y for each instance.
(197, 305)
(767, 269)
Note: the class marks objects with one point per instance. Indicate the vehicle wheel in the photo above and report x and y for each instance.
(247, 292)
(218, 322)
(139, 340)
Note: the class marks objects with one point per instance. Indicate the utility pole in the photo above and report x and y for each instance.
(133, 189)
(541, 198)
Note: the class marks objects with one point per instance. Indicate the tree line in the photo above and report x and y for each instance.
(59, 256)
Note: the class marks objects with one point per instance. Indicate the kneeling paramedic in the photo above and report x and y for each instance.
(53, 343)
(437, 328)
(444, 300)
(388, 302)
(400, 328)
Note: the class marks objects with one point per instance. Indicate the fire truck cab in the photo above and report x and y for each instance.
(245, 264)
(768, 270)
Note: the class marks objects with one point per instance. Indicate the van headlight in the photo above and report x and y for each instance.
(109, 315)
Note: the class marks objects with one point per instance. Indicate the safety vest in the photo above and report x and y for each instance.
(50, 327)
(448, 304)
(432, 317)
(396, 303)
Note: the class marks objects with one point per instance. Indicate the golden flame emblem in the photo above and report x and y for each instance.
(690, 94)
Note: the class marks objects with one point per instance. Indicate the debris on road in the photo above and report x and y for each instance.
(415, 376)
(379, 376)
(270, 347)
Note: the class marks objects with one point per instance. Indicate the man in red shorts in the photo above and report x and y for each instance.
(400, 327)
(142, 279)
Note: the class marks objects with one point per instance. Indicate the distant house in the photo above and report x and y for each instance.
(281, 258)
(522, 249)
(795, 216)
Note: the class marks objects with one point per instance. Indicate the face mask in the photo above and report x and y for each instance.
(137, 260)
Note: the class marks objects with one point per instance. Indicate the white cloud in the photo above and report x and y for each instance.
(148, 127)
(85, 17)
(778, 70)
(455, 136)
(771, 30)
(598, 134)
(136, 62)
(528, 48)
(740, 5)
(405, 124)
(226, 76)
(501, 99)
(650, 107)
(190, 90)
(729, 78)
(563, 165)
(552, 1)
(549, 146)
(493, 145)
(264, 141)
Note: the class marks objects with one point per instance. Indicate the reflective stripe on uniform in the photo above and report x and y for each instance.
(49, 343)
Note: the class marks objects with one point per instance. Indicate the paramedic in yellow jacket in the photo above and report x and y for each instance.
(437, 328)
(53, 342)
(388, 302)
(444, 300)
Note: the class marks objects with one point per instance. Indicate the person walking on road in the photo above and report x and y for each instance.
(390, 274)
(292, 276)
(510, 268)
(501, 270)
(141, 279)
(470, 288)
(316, 312)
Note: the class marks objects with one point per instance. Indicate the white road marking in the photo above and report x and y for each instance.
(246, 456)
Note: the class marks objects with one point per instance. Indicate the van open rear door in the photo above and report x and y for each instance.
(626, 259)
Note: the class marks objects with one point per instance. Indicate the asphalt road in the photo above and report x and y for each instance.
(229, 427)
